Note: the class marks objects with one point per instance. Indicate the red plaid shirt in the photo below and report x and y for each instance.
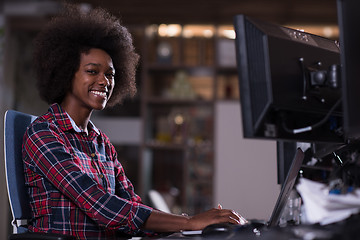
(76, 184)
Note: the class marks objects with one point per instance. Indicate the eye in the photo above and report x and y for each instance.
(91, 71)
(110, 75)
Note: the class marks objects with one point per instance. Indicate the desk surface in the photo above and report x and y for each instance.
(348, 229)
(294, 233)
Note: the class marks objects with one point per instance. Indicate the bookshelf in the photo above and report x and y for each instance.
(185, 69)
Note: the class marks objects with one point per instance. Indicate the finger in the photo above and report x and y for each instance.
(242, 220)
(234, 220)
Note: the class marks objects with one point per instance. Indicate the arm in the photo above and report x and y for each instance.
(164, 222)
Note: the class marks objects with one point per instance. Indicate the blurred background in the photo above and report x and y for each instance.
(182, 134)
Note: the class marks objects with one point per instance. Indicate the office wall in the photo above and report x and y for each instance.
(245, 169)
(5, 101)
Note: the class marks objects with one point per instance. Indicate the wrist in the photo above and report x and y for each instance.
(186, 221)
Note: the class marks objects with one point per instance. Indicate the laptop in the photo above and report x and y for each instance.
(283, 196)
(286, 188)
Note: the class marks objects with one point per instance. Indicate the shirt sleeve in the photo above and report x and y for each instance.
(46, 152)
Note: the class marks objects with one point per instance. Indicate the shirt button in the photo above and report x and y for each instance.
(92, 155)
(101, 176)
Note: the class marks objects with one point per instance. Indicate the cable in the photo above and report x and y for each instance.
(312, 127)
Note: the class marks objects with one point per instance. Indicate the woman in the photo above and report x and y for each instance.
(77, 186)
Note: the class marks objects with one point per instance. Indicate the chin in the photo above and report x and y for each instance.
(100, 105)
(100, 108)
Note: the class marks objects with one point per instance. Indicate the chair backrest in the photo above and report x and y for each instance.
(15, 124)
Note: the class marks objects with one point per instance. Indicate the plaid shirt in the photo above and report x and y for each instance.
(76, 184)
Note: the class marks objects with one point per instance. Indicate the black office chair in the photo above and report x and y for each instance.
(15, 127)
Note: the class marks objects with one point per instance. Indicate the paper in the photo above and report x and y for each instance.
(324, 208)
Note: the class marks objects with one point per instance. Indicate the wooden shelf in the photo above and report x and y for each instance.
(165, 146)
(223, 69)
(169, 67)
(179, 92)
(171, 102)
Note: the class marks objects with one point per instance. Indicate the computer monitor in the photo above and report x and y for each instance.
(289, 83)
(349, 28)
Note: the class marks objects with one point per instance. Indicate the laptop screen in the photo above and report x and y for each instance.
(286, 188)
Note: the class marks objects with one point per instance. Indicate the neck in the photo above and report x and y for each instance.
(80, 116)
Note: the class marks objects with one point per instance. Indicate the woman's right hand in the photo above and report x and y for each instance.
(164, 222)
(212, 216)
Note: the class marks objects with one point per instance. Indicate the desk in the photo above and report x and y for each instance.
(341, 231)
(268, 235)
(348, 229)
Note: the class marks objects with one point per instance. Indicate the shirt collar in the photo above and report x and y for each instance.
(66, 122)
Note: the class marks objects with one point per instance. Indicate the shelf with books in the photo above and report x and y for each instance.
(181, 76)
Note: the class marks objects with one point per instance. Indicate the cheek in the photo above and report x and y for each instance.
(77, 81)
(112, 86)
(111, 90)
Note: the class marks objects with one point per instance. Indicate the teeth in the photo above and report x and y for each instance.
(102, 94)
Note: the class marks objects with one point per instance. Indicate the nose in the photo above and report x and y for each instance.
(103, 80)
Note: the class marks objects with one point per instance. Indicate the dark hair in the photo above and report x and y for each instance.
(59, 46)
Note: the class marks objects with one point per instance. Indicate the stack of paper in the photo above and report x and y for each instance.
(324, 208)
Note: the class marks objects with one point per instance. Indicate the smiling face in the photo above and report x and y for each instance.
(93, 82)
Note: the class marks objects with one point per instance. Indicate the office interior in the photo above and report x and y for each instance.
(182, 134)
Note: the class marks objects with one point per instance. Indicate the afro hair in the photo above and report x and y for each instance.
(58, 47)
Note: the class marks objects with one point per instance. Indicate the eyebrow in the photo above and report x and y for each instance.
(98, 65)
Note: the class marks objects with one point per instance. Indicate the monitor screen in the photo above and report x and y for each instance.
(349, 29)
(289, 83)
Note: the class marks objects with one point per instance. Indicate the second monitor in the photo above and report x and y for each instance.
(289, 83)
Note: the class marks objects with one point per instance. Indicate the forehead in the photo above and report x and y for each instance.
(96, 56)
